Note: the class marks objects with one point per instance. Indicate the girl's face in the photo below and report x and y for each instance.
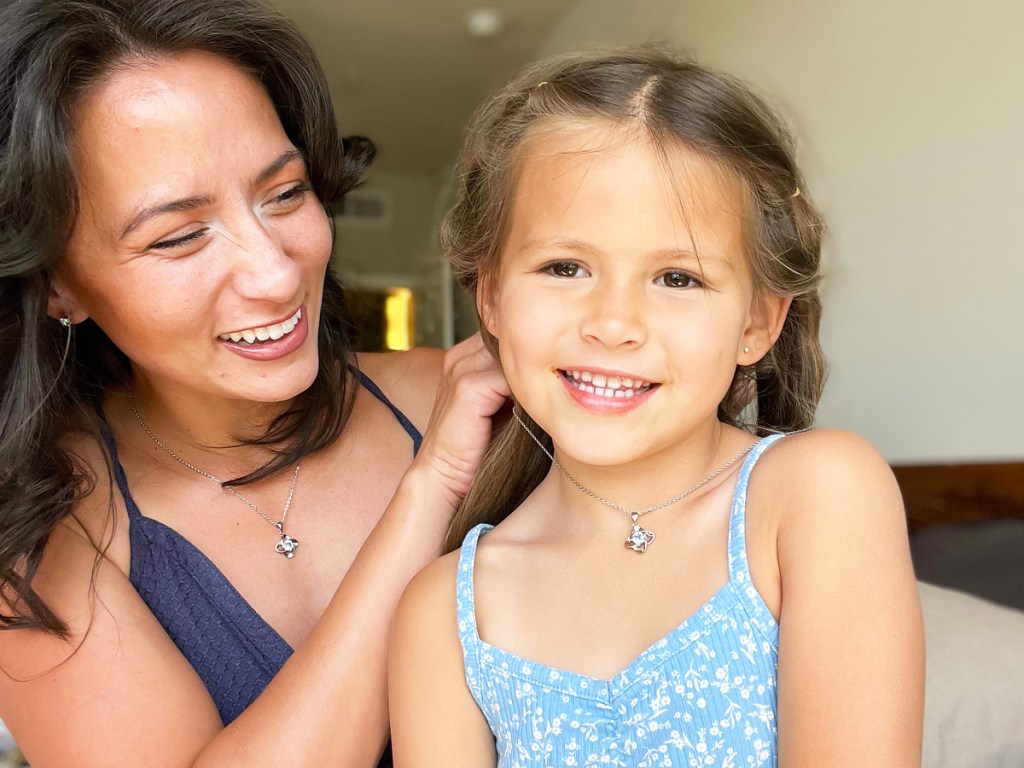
(200, 248)
(622, 302)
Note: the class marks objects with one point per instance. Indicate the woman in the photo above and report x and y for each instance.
(209, 506)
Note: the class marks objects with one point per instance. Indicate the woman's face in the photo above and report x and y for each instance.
(199, 248)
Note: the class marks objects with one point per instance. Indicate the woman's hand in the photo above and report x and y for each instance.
(471, 391)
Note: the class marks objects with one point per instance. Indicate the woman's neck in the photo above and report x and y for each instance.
(201, 429)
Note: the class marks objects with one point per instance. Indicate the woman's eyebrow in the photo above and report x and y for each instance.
(282, 160)
(174, 206)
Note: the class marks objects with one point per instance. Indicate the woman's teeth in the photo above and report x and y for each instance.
(265, 332)
(606, 386)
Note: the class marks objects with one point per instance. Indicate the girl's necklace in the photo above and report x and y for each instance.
(286, 545)
(639, 538)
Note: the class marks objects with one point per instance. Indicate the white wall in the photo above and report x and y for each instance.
(910, 123)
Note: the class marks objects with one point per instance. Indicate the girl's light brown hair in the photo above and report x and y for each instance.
(676, 103)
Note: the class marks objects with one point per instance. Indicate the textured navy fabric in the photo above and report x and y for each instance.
(235, 652)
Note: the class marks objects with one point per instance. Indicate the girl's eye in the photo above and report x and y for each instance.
(676, 279)
(179, 242)
(566, 269)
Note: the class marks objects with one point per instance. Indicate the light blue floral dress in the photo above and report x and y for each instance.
(703, 695)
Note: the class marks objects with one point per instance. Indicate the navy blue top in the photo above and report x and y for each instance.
(233, 649)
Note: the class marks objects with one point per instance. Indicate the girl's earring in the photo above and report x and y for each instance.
(65, 321)
(746, 349)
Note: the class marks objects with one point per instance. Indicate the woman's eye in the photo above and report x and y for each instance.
(179, 242)
(678, 280)
(566, 269)
(291, 197)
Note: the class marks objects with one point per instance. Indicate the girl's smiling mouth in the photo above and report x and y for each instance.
(604, 385)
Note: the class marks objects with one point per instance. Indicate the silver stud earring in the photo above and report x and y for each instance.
(746, 349)
(65, 321)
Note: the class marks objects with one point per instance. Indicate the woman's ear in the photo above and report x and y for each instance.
(61, 303)
(764, 324)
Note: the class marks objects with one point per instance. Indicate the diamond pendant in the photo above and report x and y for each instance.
(639, 538)
(286, 545)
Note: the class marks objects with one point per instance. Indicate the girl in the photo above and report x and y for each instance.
(645, 261)
(174, 591)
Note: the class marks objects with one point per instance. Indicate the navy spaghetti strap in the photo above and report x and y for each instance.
(407, 425)
(235, 652)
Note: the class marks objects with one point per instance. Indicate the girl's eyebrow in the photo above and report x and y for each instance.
(190, 203)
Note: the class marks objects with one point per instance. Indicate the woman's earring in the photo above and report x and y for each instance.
(746, 349)
(65, 321)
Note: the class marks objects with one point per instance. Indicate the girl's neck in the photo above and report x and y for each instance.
(648, 481)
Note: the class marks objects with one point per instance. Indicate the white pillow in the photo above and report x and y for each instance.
(974, 690)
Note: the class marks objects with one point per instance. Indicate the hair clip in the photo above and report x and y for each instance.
(796, 193)
(541, 84)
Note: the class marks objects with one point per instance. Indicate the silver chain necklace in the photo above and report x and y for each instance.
(286, 545)
(639, 538)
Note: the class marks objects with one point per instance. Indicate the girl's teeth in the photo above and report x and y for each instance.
(261, 334)
(606, 386)
(249, 336)
(276, 331)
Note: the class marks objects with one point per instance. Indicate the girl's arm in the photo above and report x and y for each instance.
(851, 648)
(121, 694)
(434, 718)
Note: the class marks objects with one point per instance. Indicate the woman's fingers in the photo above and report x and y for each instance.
(472, 390)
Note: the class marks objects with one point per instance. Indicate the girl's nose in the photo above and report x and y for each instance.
(614, 316)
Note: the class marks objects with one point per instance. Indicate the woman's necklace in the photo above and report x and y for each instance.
(286, 545)
(639, 538)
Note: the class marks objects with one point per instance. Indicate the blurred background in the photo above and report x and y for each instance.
(909, 118)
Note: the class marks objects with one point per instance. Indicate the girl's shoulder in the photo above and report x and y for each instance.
(409, 379)
(808, 467)
(831, 495)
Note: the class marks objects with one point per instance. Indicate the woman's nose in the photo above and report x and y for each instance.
(263, 269)
(614, 315)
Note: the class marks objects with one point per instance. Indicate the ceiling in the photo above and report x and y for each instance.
(408, 74)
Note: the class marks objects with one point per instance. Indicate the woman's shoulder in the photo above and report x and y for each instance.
(409, 379)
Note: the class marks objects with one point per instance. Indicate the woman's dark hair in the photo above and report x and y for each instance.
(672, 102)
(52, 52)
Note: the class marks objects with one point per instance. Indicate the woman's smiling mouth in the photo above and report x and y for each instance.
(264, 332)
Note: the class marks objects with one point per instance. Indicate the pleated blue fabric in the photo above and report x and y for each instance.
(703, 695)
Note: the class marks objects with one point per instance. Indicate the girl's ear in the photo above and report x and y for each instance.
(764, 324)
(487, 305)
(61, 303)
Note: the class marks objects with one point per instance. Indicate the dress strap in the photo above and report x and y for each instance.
(119, 474)
(469, 636)
(739, 568)
(408, 426)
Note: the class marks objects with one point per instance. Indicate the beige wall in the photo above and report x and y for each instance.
(910, 123)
